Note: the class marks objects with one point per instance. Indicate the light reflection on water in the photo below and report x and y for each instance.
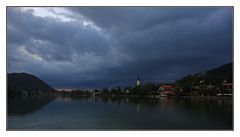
(103, 113)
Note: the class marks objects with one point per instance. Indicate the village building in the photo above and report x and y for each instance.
(166, 90)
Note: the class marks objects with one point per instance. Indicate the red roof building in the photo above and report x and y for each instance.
(165, 88)
(227, 84)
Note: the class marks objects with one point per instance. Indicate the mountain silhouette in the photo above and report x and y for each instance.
(27, 82)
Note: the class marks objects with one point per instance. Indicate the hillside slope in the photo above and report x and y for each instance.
(213, 76)
(27, 82)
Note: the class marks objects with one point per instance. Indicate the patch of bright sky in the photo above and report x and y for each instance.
(53, 12)
(24, 52)
(62, 14)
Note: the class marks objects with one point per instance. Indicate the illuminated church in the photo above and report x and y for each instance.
(138, 81)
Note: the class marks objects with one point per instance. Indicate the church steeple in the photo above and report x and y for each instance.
(138, 81)
(138, 76)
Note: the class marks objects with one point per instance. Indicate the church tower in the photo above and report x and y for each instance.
(138, 81)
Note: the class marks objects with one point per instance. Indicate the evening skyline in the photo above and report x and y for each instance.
(83, 47)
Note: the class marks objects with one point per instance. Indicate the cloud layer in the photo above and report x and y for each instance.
(78, 47)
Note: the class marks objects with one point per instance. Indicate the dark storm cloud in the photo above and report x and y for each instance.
(107, 46)
(172, 37)
(51, 39)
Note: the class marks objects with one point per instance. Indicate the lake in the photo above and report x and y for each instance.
(102, 113)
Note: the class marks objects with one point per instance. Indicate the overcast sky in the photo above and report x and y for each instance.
(84, 47)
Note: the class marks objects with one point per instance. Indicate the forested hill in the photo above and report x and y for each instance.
(213, 76)
(224, 72)
(27, 82)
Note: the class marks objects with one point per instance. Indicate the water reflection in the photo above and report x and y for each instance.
(26, 105)
(86, 112)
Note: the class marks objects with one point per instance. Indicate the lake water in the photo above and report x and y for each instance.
(87, 113)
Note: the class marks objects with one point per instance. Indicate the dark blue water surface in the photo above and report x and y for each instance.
(88, 113)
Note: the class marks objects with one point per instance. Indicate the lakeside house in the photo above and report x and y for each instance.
(166, 90)
(96, 93)
(227, 85)
(127, 92)
(226, 88)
